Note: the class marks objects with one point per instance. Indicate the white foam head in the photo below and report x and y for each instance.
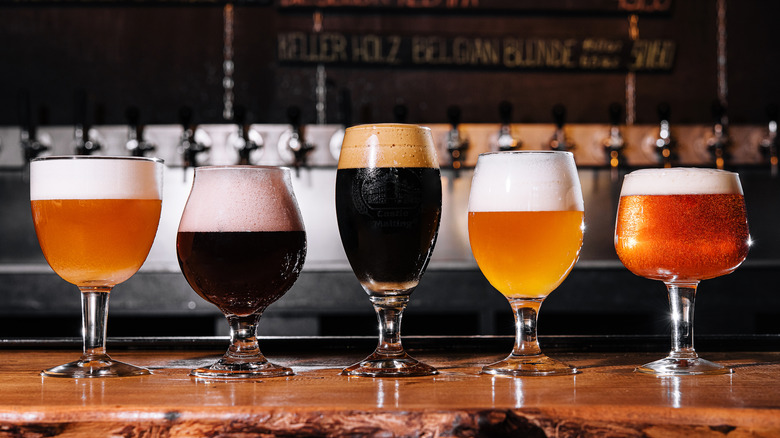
(526, 181)
(680, 181)
(96, 177)
(241, 198)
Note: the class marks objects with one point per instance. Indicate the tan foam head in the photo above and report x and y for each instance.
(387, 145)
(680, 181)
(241, 198)
(96, 177)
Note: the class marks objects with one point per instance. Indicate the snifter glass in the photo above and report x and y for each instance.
(95, 218)
(681, 226)
(525, 229)
(388, 205)
(241, 245)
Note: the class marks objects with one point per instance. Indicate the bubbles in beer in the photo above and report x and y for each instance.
(241, 200)
(95, 178)
(543, 182)
(681, 181)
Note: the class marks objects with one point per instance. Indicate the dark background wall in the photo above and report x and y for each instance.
(160, 58)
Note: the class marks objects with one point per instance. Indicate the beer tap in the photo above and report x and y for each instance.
(665, 145)
(189, 146)
(297, 142)
(614, 144)
(719, 142)
(83, 142)
(506, 142)
(136, 144)
(400, 113)
(245, 141)
(559, 141)
(457, 143)
(769, 143)
(31, 145)
(345, 120)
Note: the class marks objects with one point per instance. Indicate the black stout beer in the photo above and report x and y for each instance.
(241, 245)
(388, 206)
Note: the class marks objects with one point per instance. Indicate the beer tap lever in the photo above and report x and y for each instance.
(136, 144)
(769, 143)
(31, 146)
(246, 141)
(665, 145)
(559, 141)
(189, 146)
(506, 142)
(400, 113)
(457, 144)
(83, 143)
(718, 143)
(297, 142)
(614, 144)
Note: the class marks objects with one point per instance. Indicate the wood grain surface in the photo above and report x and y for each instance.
(606, 399)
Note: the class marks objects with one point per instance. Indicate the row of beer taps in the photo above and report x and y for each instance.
(246, 142)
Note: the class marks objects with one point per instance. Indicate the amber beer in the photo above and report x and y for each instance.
(95, 234)
(689, 230)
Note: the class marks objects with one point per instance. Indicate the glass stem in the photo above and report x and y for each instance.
(389, 311)
(681, 300)
(243, 336)
(526, 312)
(94, 316)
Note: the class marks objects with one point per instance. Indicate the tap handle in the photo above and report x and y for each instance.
(80, 107)
(185, 117)
(345, 107)
(505, 112)
(718, 112)
(239, 115)
(615, 112)
(25, 119)
(664, 111)
(400, 113)
(294, 116)
(771, 112)
(559, 115)
(133, 116)
(453, 115)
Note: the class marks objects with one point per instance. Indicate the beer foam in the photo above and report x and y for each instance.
(680, 181)
(95, 177)
(387, 145)
(525, 181)
(241, 198)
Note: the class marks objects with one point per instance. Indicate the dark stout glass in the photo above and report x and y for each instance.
(241, 272)
(388, 219)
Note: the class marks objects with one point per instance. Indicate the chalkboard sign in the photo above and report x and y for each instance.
(547, 6)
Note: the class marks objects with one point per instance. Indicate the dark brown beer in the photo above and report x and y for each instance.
(241, 272)
(388, 220)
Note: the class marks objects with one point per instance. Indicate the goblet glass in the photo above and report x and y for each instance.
(241, 245)
(388, 206)
(681, 226)
(525, 225)
(95, 218)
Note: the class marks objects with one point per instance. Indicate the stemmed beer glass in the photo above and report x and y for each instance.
(681, 226)
(241, 244)
(95, 218)
(525, 225)
(388, 206)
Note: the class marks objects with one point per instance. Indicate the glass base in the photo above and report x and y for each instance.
(535, 365)
(245, 370)
(379, 365)
(671, 366)
(95, 367)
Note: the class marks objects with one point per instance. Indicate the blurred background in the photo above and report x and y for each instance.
(623, 84)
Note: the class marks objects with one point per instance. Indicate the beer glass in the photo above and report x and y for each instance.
(241, 245)
(525, 225)
(95, 218)
(388, 206)
(681, 226)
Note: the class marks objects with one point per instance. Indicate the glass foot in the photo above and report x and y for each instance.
(536, 365)
(671, 366)
(244, 370)
(380, 365)
(95, 367)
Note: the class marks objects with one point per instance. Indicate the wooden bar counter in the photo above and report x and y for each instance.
(606, 399)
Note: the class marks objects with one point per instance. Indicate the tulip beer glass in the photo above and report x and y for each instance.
(388, 206)
(95, 218)
(681, 226)
(241, 245)
(525, 224)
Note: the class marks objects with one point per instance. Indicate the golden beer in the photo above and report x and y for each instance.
(682, 237)
(96, 241)
(525, 253)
